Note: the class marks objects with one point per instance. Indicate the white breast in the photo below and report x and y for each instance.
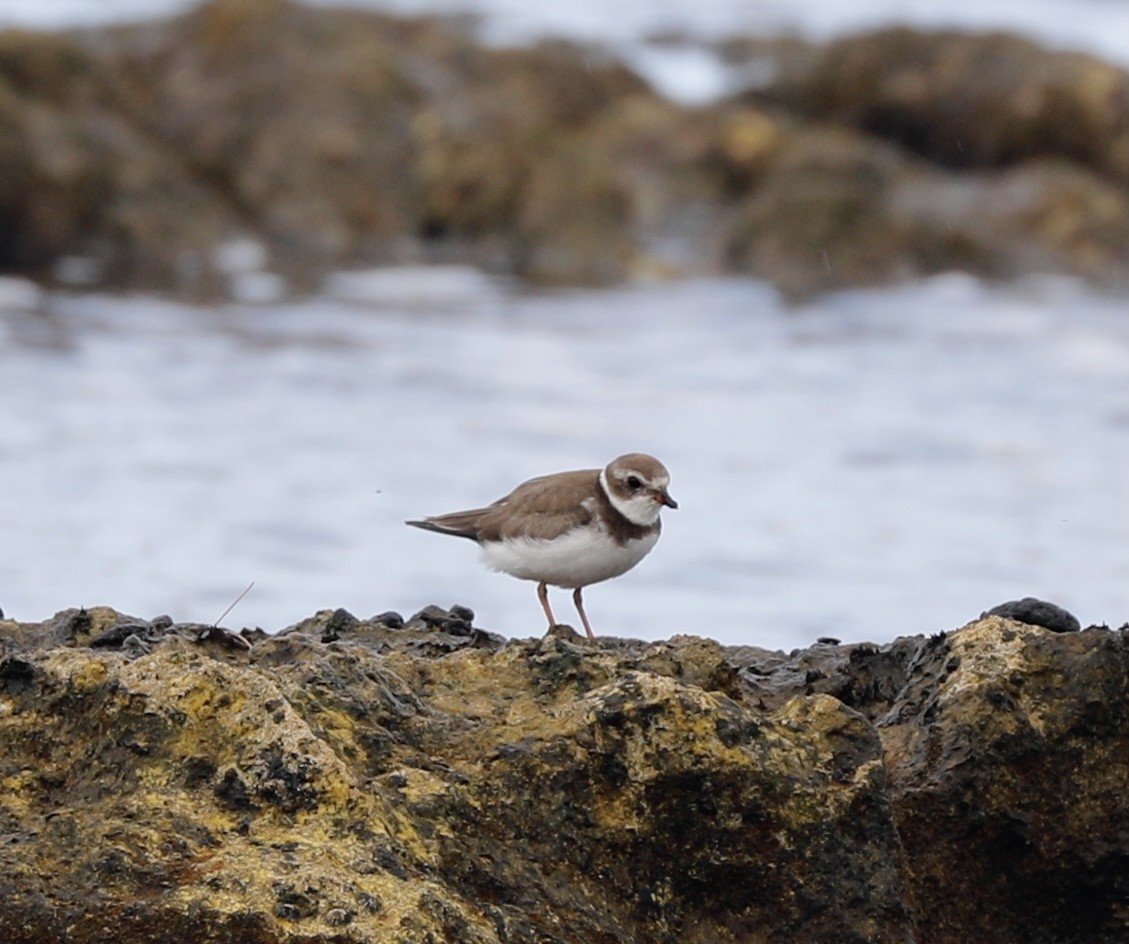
(576, 559)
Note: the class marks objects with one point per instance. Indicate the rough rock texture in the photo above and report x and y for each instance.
(965, 100)
(1006, 748)
(421, 781)
(1023, 157)
(340, 138)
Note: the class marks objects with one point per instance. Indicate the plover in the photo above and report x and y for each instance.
(570, 529)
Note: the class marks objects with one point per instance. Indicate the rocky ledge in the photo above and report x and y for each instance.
(427, 781)
(314, 139)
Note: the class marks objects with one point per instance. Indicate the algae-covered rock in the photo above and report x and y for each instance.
(334, 137)
(327, 139)
(373, 788)
(964, 99)
(834, 207)
(421, 780)
(1006, 747)
(1008, 754)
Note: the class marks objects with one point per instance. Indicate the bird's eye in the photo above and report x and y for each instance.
(634, 483)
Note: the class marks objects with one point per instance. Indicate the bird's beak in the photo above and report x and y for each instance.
(664, 498)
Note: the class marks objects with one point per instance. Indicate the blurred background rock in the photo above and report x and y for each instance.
(343, 138)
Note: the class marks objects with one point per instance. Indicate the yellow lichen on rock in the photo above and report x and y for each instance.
(371, 782)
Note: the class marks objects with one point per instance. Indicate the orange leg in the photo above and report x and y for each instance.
(543, 596)
(576, 598)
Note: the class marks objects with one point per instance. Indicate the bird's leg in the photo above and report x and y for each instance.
(543, 596)
(576, 598)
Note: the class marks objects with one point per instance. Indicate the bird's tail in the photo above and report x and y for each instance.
(461, 524)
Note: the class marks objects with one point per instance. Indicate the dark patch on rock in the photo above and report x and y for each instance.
(433, 629)
(295, 904)
(1037, 613)
(457, 621)
(212, 634)
(117, 634)
(387, 858)
(340, 623)
(391, 619)
(288, 783)
(338, 917)
(80, 624)
(15, 675)
(232, 791)
(198, 771)
(732, 732)
(863, 676)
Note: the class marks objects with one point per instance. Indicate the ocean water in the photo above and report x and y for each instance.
(872, 464)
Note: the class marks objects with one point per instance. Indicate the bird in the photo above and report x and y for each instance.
(569, 529)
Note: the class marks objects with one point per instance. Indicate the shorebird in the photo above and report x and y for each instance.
(569, 529)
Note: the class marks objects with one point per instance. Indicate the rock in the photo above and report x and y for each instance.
(433, 629)
(864, 677)
(404, 783)
(836, 208)
(963, 100)
(821, 216)
(1007, 754)
(1037, 613)
(251, 148)
(997, 740)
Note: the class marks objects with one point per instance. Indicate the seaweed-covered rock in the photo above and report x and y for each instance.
(1007, 753)
(1006, 747)
(327, 139)
(964, 100)
(834, 207)
(1037, 612)
(369, 788)
(348, 780)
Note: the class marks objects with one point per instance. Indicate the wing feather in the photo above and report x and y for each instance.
(542, 508)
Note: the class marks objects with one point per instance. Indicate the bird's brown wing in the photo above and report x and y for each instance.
(542, 508)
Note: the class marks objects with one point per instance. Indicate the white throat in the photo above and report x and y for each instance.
(640, 509)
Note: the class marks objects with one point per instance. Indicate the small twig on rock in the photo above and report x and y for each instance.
(234, 603)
